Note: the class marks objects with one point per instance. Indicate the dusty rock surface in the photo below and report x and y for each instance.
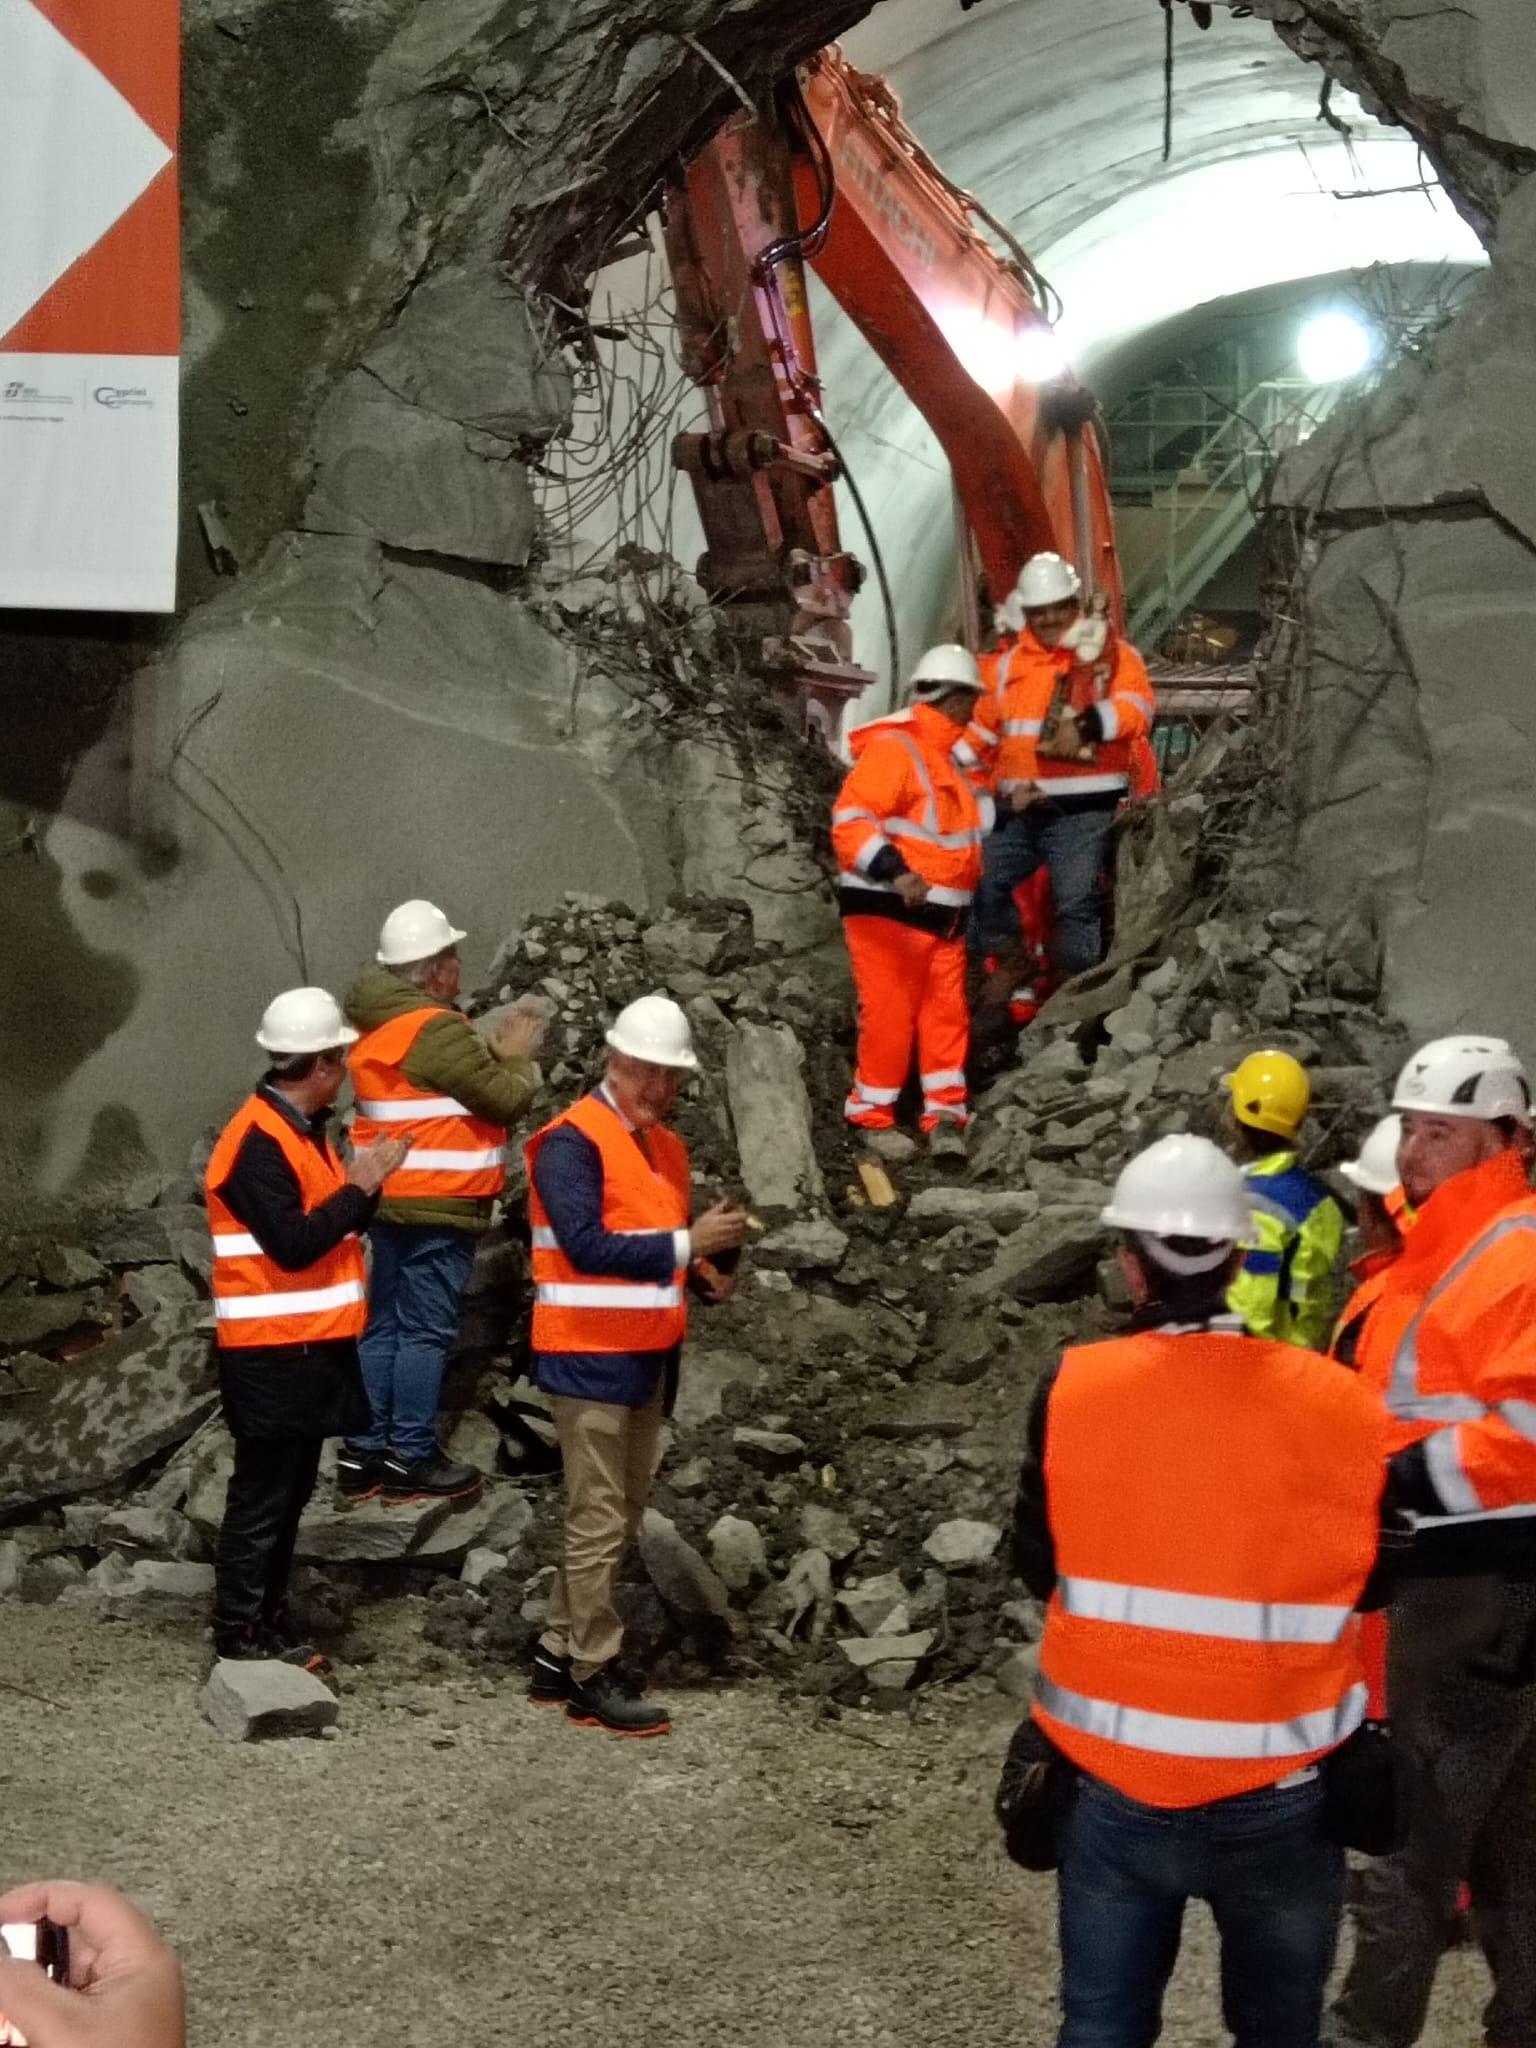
(683, 1890)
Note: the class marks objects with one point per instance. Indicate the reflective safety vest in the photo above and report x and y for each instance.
(256, 1302)
(1370, 1283)
(1451, 1346)
(1022, 681)
(1285, 1288)
(906, 790)
(1214, 1502)
(646, 1188)
(453, 1153)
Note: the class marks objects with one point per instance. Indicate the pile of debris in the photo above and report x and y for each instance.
(833, 1499)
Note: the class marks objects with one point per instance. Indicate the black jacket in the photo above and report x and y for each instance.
(1034, 1547)
(281, 1390)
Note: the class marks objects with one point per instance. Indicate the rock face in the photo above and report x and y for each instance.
(103, 1412)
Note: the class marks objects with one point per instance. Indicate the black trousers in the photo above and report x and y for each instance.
(280, 1405)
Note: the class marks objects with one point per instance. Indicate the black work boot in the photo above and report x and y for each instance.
(606, 1700)
(359, 1476)
(549, 1683)
(434, 1477)
(281, 1639)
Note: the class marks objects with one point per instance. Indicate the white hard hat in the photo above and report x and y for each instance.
(415, 931)
(1046, 579)
(304, 1020)
(654, 1029)
(1182, 1187)
(1472, 1077)
(1375, 1172)
(943, 669)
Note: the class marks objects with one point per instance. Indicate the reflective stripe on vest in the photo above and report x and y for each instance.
(1180, 1735)
(646, 1190)
(454, 1155)
(923, 832)
(256, 1302)
(1199, 1614)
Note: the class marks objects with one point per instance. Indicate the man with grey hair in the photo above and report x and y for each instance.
(421, 1070)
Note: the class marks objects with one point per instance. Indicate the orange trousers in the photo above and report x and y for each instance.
(911, 990)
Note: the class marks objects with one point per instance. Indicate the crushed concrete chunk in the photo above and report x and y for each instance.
(738, 1553)
(257, 1700)
(771, 1113)
(962, 1544)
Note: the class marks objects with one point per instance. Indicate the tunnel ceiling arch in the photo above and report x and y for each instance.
(1052, 112)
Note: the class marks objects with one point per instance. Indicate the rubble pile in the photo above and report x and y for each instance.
(832, 1503)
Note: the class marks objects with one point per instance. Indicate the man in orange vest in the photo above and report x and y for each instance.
(289, 1301)
(421, 1071)
(1203, 1510)
(907, 831)
(614, 1253)
(1057, 792)
(1450, 1345)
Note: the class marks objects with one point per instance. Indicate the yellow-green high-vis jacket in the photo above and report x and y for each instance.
(1286, 1286)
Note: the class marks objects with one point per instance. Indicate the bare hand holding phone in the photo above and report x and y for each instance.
(124, 1988)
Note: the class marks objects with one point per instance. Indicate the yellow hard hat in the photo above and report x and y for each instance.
(1270, 1092)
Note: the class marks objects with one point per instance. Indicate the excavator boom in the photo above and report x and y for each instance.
(834, 177)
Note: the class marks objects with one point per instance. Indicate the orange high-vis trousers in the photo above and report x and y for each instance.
(911, 990)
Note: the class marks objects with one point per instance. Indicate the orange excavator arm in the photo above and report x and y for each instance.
(833, 176)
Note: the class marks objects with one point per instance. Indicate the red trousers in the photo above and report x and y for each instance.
(911, 990)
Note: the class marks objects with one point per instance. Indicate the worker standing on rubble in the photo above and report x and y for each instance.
(1286, 1286)
(420, 1070)
(614, 1252)
(1054, 736)
(289, 1303)
(1196, 1685)
(1450, 1345)
(907, 832)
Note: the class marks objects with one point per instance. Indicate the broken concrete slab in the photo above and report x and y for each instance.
(256, 1700)
(704, 1378)
(771, 1114)
(1042, 1258)
(738, 1553)
(152, 1588)
(152, 1288)
(943, 1207)
(811, 1244)
(149, 1532)
(868, 1653)
(962, 1544)
(107, 1410)
(687, 1584)
(871, 1604)
(825, 1528)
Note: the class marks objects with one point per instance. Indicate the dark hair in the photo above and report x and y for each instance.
(296, 1066)
(1191, 1297)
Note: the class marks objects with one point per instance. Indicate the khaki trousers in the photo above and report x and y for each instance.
(610, 1460)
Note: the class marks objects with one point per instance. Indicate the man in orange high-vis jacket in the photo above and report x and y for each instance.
(907, 831)
(1055, 812)
(1450, 1346)
(289, 1303)
(1203, 1510)
(420, 1070)
(614, 1254)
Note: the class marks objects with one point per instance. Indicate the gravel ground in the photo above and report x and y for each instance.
(454, 1865)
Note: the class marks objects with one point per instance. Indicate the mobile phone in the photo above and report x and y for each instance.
(33, 1941)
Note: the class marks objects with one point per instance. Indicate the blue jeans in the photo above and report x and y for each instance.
(1273, 1882)
(1072, 844)
(418, 1275)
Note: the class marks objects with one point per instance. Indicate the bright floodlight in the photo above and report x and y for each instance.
(1039, 357)
(1333, 347)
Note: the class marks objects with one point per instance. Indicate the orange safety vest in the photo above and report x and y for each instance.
(1022, 680)
(906, 790)
(453, 1153)
(646, 1188)
(1370, 1273)
(256, 1302)
(1451, 1344)
(1215, 1506)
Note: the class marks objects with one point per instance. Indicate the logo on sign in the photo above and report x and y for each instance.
(18, 393)
(114, 396)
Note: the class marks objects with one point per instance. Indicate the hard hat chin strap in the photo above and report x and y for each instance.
(1163, 1254)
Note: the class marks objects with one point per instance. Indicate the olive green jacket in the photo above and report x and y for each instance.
(447, 1057)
